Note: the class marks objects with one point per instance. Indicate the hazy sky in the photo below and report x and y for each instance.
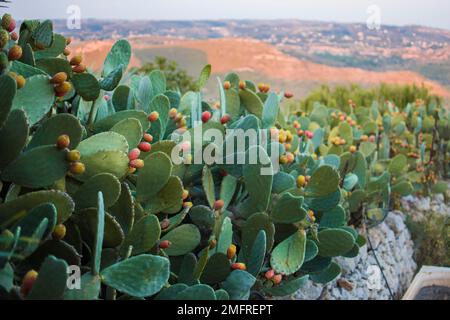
(434, 13)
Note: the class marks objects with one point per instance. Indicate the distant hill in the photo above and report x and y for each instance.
(286, 51)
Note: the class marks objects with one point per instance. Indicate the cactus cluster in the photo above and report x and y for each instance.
(87, 180)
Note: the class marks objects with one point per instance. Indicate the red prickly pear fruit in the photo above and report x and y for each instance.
(218, 205)
(242, 85)
(173, 113)
(239, 266)
(277, 279)
(76, 60)
(15, 53)
(227, 85)
(67, 52)
(73, 156)
(68, 41)
(79, 68)
(4, 38)
(20, 80)
(231, 252)
(270, 274)
(206, 116)
(63, 142)
(137, 164)
(59, 78)
(165, 244)
(134, 154)
(28, 281)
(185, 194)
(62, 89)
(154, 116)
(225, 119)
(288, 95)
(77, 168)
(188, 205)
(60, 232)
(145, 147)
(14, 36)
(106, 97)
(165, 224)
(148, 138)
(8, 22)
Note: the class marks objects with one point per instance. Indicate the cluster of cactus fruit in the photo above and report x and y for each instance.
(87, 180)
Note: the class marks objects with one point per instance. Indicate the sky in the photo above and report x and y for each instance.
(434, 13)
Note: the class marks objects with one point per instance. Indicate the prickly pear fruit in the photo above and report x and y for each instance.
(165, 244)
(301, 181)
(137, 164)
(173, 113)
(63, 89)
(227, 85)
(73, 156)
(242, 85)
(79, 68)
(188, 205)
(288, 95)
(59, 78)
(60, 232)
(14, 36)
(145, 147)
(154, 116)
(269, 274)
(76, 60)
(28, 281)
(206, 116)
(212, 244)
(277, 279)
(15, 53)
(165, 224)
(63, 142)
(148, 138)
(231, 252)
(20, 80)
(134, 154)
(4, 38)
(218, 205)
(185, 194)
(225, 119)
(239, 266)
(77, 168)
(353, 149)
(8, 22)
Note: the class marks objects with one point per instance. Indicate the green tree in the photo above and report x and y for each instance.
(177, 78)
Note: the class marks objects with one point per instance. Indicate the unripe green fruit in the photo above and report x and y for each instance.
(60, 232)
(4, 62)
(4, 38)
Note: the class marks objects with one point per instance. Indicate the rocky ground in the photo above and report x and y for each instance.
(360, 279)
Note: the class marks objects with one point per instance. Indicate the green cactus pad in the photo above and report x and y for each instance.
(90, 289)
(140, 276)
(222, 295)
(86, 85)
(8, 90)
(27, 245)
(327, 275)
(161, 104)
(86, 195)
(131, 129)
(112, 80)
(311, 250)
(216, 270)
(333, 218)
(367, 148)
(271, 110)
(324, 182)
(169, 197)
(51, 129)
(37, 168)
(123, 209)
(35, 98)
(7, 277)
(439, 187)
(54, 50)
(334, 242)
(324, 203)
(188, 268)
(30, 222)
(227, 190)
(256, 257)
(251, 102)
(203, 217)
(225, 236)
(316, 265)
(51, 282)
(109, 122)
(120, 54)
(287, 288)
(208, 186)
(403, 188)
(151, 181)
(282, 182)
(106, 141)
(121, 98)
(26, 70)
(171, 292)
(113, 235)
(16, 209)
(398, 165)
(143, 236)
(288, 257)
(52, 66)
(259, 186)
(184, 239)
(13, 137)
(113, 162)
(238, 285)
(288, 209)
(205, 74)
(251, 229)
(197, 292)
